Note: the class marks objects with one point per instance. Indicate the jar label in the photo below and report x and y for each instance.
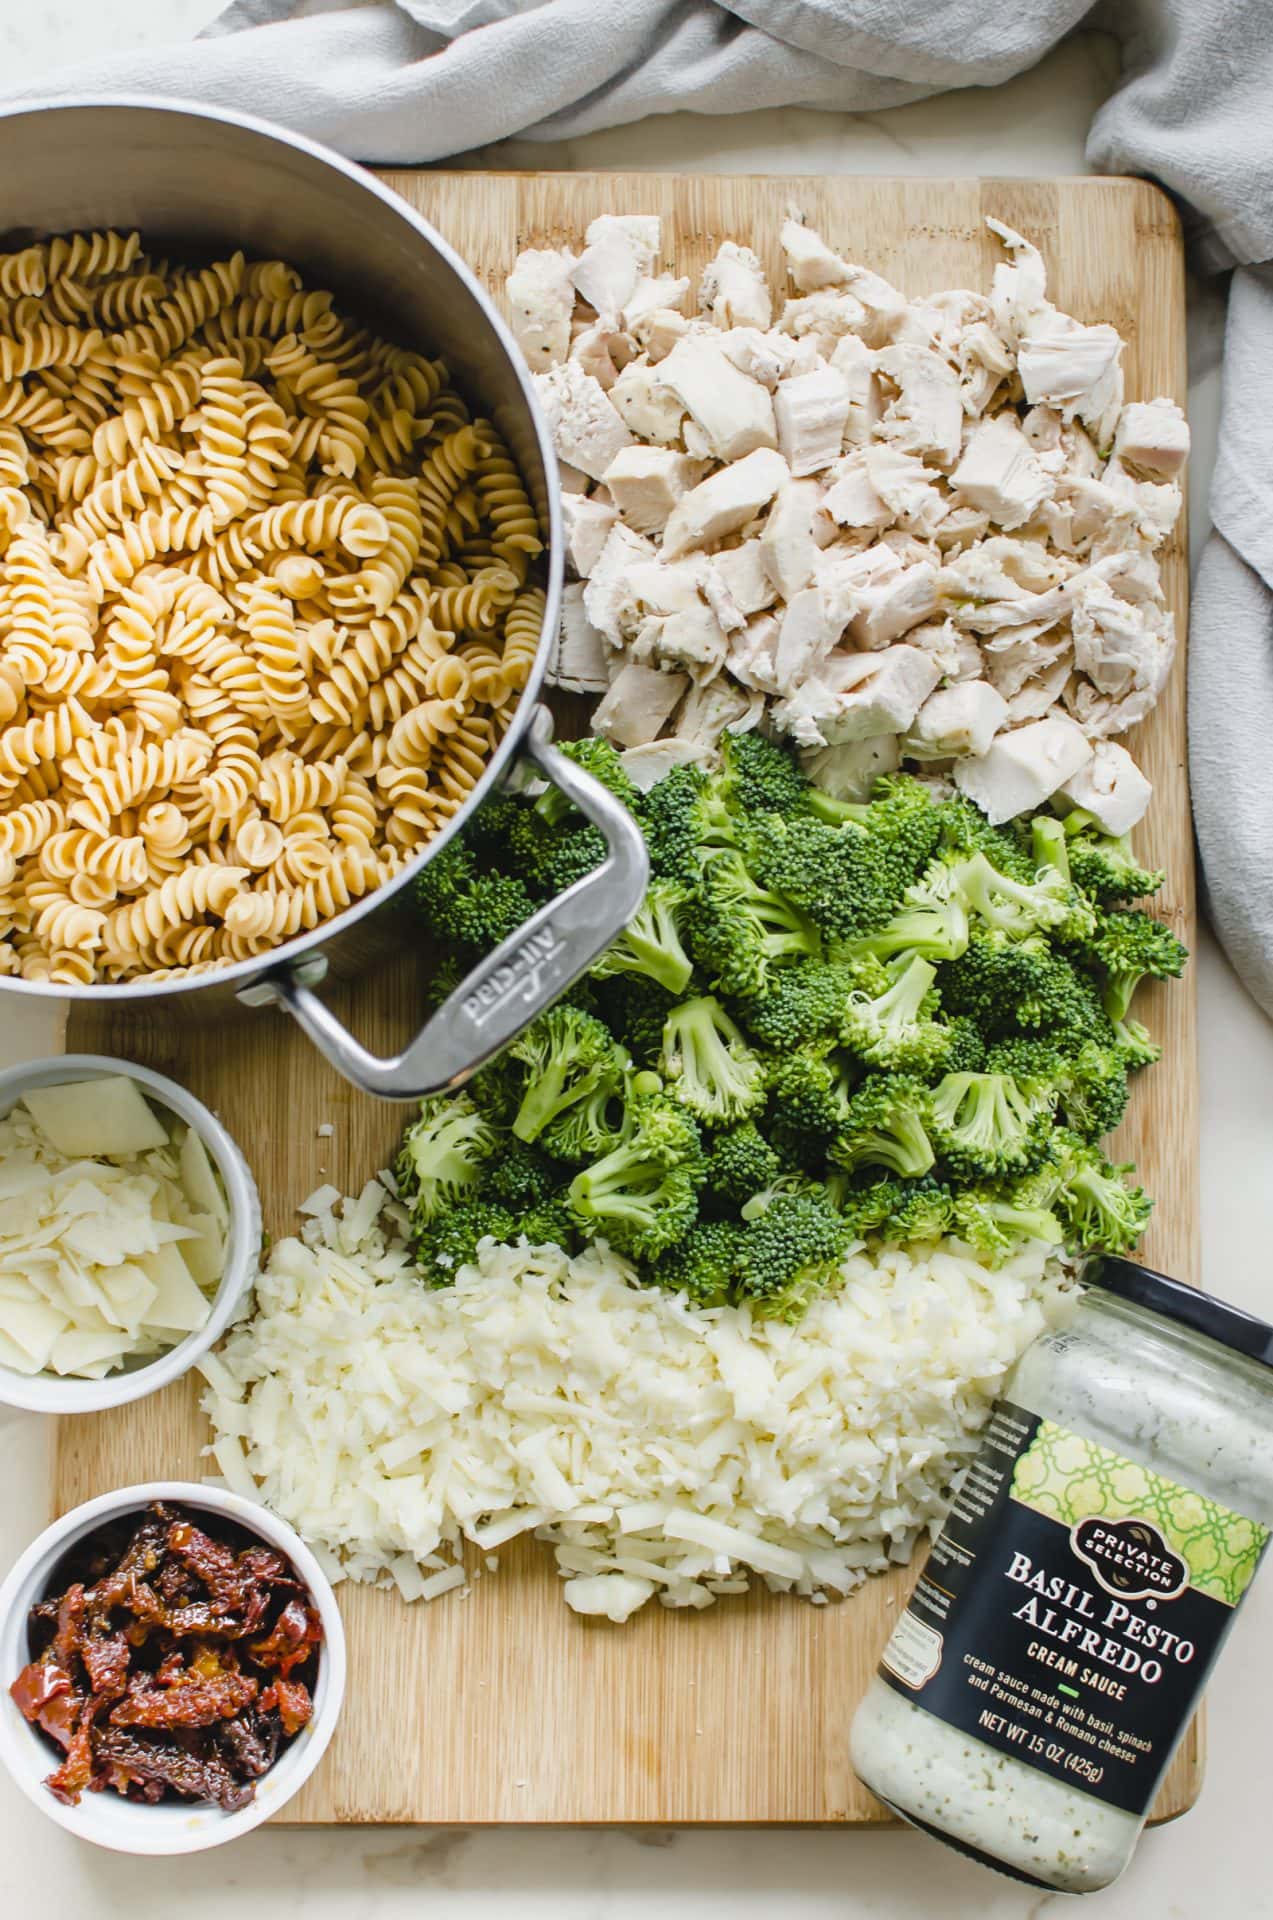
(1071, 1608)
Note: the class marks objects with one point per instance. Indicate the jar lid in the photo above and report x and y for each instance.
(1227, 1325)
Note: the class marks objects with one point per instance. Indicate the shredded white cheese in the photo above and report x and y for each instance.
(660, 1448)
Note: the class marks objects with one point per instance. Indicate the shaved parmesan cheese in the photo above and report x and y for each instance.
(108, 1252)
(108, 1118)
(661, 1449)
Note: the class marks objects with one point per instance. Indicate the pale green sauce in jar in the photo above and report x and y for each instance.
(1133, 1374)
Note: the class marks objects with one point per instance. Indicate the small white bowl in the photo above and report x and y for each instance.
(54, 1393)
(106, 1818)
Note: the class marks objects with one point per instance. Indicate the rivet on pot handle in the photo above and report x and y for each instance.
(524, 974)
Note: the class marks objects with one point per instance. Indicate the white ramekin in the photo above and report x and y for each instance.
(106, 1818)
(50, 1392)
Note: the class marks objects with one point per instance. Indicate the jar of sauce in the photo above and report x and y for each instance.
(1093, 1561)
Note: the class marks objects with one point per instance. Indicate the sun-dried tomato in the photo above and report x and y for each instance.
(164, 1666)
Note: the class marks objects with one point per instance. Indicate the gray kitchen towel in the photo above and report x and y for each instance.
(402, 81)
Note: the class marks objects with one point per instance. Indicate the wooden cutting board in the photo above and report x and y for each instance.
(502, 1706)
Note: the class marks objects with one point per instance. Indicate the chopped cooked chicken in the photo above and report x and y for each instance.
(602, 349)
(607, 594)
(585, 428)
(1152, 435)
(723, 707)
(645, 484)
(1000, 474)
(541, 298)
(646, 766)
(1018, 287)
(639, 704)
(1073, 368)
(811, 411)
(788, 550)
(957, 720)
(587, 523)
(921, 531)
(855, 362)
(724, 501)
(887, 609)
(735, 414)
(883, 307)
(753, 653)
(654, 294)
(649, 411)
(690, 639)
(927, 415)
(850, 769)
(1022, 769)
(1111, 787)
(578, 663)
(810, 261)
(1119, 644)
(809, 626)
(854, 696)
(768, 357)
(658, 332)
(620, 251)
(732, 291)
(736, 584)
(824, 318)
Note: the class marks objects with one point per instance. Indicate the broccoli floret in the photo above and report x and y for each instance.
(563, 858)
(901, 1210)
(590, 1126)
(1131, 946)
(635, 1008)
(703, 1264)
(965, 1048)
(804, 1004)
(1014, 907)
(1052, 857)
(642, 1196)
(758, 776)
(844, 879)
(566, 1056)
(896, 1028)
(810, 1096)
(987, 1124)
(467, 907)
(1104, 865)
(1135, 1043)
(995, 1220)
(932, 921)
(650, 944)
(1091, 1081)
(737, 928)
(507, 834)
(669, 816)
(788, 1253)
(519, 1177)
(1100, 1212)
(707, 1065)
(965, 830)
(886, 1126)
(599, 758)
(450, 1239)
(1022, 985)
(550, 1225)
(740, 1163)
(443, 1154)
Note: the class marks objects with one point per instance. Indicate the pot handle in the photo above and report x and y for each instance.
(525, 973)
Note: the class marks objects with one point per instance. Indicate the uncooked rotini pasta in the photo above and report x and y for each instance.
(266, 599)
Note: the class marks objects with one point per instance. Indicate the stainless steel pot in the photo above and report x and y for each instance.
(198, 182)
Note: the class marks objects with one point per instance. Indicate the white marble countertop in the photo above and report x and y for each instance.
(1211, 1863)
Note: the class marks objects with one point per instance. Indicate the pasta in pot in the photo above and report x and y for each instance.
(266, 604)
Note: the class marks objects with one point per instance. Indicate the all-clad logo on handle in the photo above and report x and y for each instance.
(1130, 1558)
(518, 979)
